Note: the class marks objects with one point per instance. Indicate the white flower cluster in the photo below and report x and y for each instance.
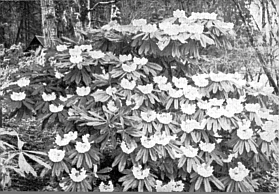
(83, 91)
(23, 82)
(78, 176)
(204, 15)
(106, 188)
(157, 138)
(233, 77)
(244, 131)
(18, 96)
(83, 147)
(238, 173)
(56, 155)
(75, 55)
(139, 173)
(204, 170)
(172, 186)
(230, 157)
(71, 136)
(55, 109)
(207, 147)
(190, 125)
(189, 151)
(269, 131)
(96, 54)
(48, 97)
(128, 85)
(128, 148)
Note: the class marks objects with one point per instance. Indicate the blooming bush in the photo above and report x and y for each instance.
(207, 130)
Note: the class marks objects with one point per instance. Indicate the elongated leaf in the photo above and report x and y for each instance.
(38, 160)
(24, 166)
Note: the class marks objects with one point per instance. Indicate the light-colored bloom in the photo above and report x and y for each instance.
(128, 148)
(83, 91)
(85, 138)
(112, 107)
(76, 51)
(189, 151)
(165, 87)
(147, 89)
(204, 105)
(149, 28)
(192, 93)
(230, 157)
(55, 109)
(215, 112)
(76, 59)
(83, 147)
(148, 116)
(204, 170)
(190, 125)
(23, 82)
(174, 93)
(218, 77)
(207, 147)
(18, 96)
(180, 82)
(135, 101)
(77, 176)
(176, 186)
(160, 79)
(124, 58)
(238, 173)
(63, 99)
(61, 48)
(164, 118)
(163, 138)
(129, 67)
(188, 109)
(106, 188)
(126, 84)
(148, 142)
(179, 14)
(56, 155)
(269, 131)
(49, 97)
(96, 54)
(140, 61)
(252, 107)
(71, 135)
(268, 136)
(139, 22)
(216, 102)
(87, 47)
(200, 80)
(58, 75)
(62, 141)
(204, 15)
(139, 173)
(110, 91)
(244, 131)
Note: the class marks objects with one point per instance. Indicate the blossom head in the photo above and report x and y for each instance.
(180, 82)
(160, 79)
(48, 97)
(205, 170)
(188, 109)
(175, 93)
(238, 173)
(56, 155)
(18, 96)
(128, 85)
(62, 141)
(164, 118)
(147, 89)
(207, 147)
(163, 138)
(76, 59)
(168, 87)
(61, 48)
(252, 107)
(23, 82)
(96, 54)
(148, 116)
(83, 91)
(128, 148)
(106, 188)
(191, 93)
(71, 135)
(200, 80)
(110, 91)
(129, 67)
(189, 125)
(140, 61)
(244, 131)
(139, 173)
(149, 28)
(189, 151)
(76, 51)
(77, 176)
(179, 14)
(124, 58)
(83, 147)
(55, 109)
(112, 107)
(148, 142)
(139, 22)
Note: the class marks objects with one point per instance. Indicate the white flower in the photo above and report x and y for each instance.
(164, 118)
(62, 141)
(218, 77)
(216, 102)
(85, 138)
(129, 68)
(56, 155)
(61, 48)
(215, 112)
(111, 106)
(189, 125)
(126, 84)
(139, 173)
(78, 176)
(163, 138)
(149, 28)
(71, 135)
(83, 147)
(204, 170)
(180, 82)
(76, 59)
(192, 93)
(55, 109)
(18, 96)
(189, 151)
(76, 51)
(139, 22)
(23, 82)
(208, 16)
(200, 80)
(135, 101)
(110, 91)
(176, 186)
(166, 87)
(83, 91)
(148, 142)
(230, 157)
(96, 54)
(238, 173)
(106, 188)
(268, 136)
(207, 147)
(179, 14)
(148, 116)
(204, 105)
(147, 89)
(58, 75)
(244, 131)
(86, 47)
(124, 58)
(160, 79)
(226, 25)
(188, 109)
(48, 97)
(140, 61)
(63, 99)
(175, 93)
(252, 107)
(128, 148)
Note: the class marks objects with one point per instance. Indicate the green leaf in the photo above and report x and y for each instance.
(198, 183)
(38, 160)
(24, 166)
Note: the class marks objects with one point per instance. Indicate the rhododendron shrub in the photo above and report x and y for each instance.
(163, 132)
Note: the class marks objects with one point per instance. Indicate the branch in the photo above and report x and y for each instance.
(259, 55)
